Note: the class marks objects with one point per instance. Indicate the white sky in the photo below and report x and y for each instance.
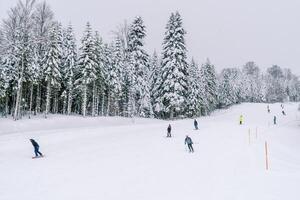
(229, 32)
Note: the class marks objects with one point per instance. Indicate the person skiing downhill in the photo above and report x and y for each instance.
(36, 148)
(274, 120)
(169, 131)
(241, 119)
(196, 124)
(268, 109)
(189, 143)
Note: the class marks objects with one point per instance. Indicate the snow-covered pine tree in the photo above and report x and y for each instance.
(194, 100)
(51, 67)
(252, 83)
(114, 75)
(87, 66)
(140, 62)
(275, 85)
(209, 85)
(101, 68)
(229, 87)
(155, 81)
(42, 23)
(70, 59)
(174, 68)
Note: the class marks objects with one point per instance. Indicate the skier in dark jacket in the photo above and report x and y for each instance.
(274, 120)
(169, 131)
(189, 142)
(196, 124)
(36, 148)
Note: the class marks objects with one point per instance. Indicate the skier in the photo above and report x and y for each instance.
(189, 142)
(283, 112)
(268, 109)
(274, 120)
(241, 119)
(196, 124)
(36, 148)
(169, 131)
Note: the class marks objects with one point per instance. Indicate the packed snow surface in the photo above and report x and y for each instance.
(113, 158)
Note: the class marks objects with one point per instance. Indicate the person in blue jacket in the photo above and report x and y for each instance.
(189, 143)
(36, 148)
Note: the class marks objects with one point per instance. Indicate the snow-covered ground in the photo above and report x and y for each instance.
(125, 159)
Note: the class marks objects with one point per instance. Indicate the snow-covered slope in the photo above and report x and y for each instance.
(120, 159)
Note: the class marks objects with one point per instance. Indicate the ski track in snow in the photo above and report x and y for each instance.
(116, 158)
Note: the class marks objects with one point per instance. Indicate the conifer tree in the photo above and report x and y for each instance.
(87, 66)
(174, 85)
(51, 66)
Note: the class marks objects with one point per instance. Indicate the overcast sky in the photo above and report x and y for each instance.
(229, 32)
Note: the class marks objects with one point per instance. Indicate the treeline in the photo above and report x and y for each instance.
(43, 71)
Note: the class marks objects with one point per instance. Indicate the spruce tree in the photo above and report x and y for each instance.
(51, 67)
(70, 58)
(174, 85)
(87, 66)
(209, 85)
(140, 62)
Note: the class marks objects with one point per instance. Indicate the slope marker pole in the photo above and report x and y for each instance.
(249, 136)
(266, 155)
(256, 133)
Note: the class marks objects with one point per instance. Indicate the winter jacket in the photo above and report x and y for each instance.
(34, 143)
(169, 129)
(188, 140)
(195, 123)
(241, 118)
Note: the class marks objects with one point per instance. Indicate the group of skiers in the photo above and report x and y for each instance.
(275, 118)
(188, 141)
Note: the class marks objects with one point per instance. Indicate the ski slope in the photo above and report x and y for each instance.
(131, 159)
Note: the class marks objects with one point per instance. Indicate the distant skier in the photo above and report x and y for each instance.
(241, 119)
(268, 109)
(196, 124)
(283, 112)
(281, 105)
(36, 148)
(189, 143)
(275, 120)
(169, 131)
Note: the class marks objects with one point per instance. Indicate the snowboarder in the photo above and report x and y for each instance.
(274, 120)
(268, 109)
(189, 143)
(196, 124)
(36, 148)
(241, 119)
(169, 131)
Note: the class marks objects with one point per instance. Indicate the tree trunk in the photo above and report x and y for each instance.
(102, 105)
(6, 105)
(38, 99)
(30, 101)
(48, 98)
(69, 101)
(84, 100)
(108, 104)
(93, 101)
